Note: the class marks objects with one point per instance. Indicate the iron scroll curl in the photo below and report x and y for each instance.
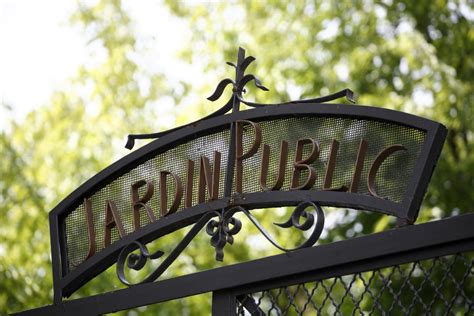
(294, 221)
(221, 231)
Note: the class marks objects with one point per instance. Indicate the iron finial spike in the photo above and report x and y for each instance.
(240, 59)
(241, 52)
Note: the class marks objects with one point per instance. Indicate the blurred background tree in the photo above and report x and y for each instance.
(414, 56)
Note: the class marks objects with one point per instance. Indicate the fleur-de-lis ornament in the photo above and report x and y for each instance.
(222, 231)
(238, 86)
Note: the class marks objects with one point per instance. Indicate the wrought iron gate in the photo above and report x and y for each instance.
(420, 269)
(413, 269)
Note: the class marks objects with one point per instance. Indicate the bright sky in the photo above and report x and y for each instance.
(39, 49)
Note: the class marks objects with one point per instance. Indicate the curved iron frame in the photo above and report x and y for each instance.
(66, 282)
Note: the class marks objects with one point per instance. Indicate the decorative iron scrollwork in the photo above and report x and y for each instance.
(134, 261)
(138, 261)
(238, 88)
(226, 226)
(221, 231)
(294, 221)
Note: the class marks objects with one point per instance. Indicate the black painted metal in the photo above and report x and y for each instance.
(238, 87)
(433, 286)
(277, 268)
(435, 135)
(223, 303)
(221, 232)
(406, 244)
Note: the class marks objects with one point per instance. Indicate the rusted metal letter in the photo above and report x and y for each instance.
(90, 228)
(240, 155)
(178, 193)
(140, 202)
(209, 178)
(302, 164)
(384, 154)
(188, 200)
(281, 166)
(330, 169)
(112, 219)
(359, 166)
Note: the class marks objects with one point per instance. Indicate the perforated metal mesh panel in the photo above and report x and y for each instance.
(439, 286)
(173, 160)
(391, 181)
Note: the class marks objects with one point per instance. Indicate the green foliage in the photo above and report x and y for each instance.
(410, 56)
(62, 144)
(390, 53)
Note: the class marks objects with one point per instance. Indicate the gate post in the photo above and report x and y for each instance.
(223, 303)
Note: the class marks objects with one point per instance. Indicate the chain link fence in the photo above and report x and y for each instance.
(438, 286)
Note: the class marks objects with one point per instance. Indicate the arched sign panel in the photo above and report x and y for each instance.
(300, 154)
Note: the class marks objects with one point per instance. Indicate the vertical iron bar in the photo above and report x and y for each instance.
(238, 76)
(58, 264)
(229, 176)
(223, 303)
